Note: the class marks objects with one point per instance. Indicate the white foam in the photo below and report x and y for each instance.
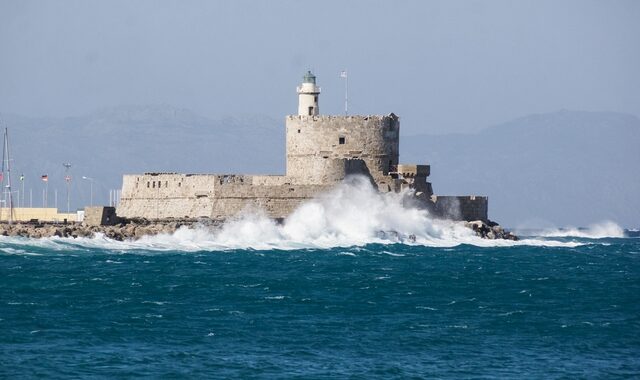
(605, 229)
(352, 214)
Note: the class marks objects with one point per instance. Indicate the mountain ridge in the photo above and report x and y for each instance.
(571, 158)
(546, 165)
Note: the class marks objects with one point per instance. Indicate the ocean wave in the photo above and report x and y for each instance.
(352, 214)
(605, 229)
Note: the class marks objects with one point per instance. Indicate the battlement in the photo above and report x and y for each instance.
(411, 170)
(342, 118)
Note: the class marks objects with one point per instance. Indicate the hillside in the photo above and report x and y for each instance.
(562, 168)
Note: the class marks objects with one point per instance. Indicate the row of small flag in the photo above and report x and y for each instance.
(44, 177)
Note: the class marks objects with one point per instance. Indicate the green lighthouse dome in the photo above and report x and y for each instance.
(309, 78)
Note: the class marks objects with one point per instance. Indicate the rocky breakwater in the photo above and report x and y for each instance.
(123, 231)
(135, 229)
(490, 230)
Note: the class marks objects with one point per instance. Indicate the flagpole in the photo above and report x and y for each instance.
(346, 93)
(345, 75)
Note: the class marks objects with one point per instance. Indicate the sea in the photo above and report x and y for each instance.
(336, 291)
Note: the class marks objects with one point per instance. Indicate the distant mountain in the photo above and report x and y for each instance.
(562, 168)
(136, 139)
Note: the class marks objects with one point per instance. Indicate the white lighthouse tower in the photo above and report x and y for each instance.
(308, 96)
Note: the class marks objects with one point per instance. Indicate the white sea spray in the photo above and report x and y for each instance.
(600, 230)
(352, 214)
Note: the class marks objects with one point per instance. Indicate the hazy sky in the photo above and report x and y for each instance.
(443, 66)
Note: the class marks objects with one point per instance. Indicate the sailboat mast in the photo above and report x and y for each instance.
(6, 152)
(4, 193)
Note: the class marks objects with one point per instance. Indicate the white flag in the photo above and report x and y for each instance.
(343, 74)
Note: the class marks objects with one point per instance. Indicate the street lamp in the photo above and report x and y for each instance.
(90, 188)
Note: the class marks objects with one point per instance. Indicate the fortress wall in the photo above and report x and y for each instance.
(278, 201)
(153, 185)
(270, 180)
(164, 195)
(315, 144)
(168, 195)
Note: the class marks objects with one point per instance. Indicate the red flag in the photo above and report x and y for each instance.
(45, 177)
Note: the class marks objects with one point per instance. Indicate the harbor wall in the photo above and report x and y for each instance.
(43, 214)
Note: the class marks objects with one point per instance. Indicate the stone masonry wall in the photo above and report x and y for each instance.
(461, 207)
(170, 195)
(316, 143)
(99, 216)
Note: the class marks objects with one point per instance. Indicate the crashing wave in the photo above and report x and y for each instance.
(605, 229)
(352, 214)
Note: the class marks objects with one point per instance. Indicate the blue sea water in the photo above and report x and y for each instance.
(89, 309)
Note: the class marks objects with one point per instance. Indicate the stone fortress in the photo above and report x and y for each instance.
(321, 151)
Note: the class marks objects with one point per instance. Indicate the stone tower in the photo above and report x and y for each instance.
(308, 96)
(323, 149)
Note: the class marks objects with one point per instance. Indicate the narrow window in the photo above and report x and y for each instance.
(166, 183)
(159, 183)
(148, 184)
(315, 98)
(298, 131)
(310, 111)
(179, 184)
(341, 140)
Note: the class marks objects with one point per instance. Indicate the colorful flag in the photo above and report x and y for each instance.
(1, 177)
(67, 178)
(45, 177)
(343, 74)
